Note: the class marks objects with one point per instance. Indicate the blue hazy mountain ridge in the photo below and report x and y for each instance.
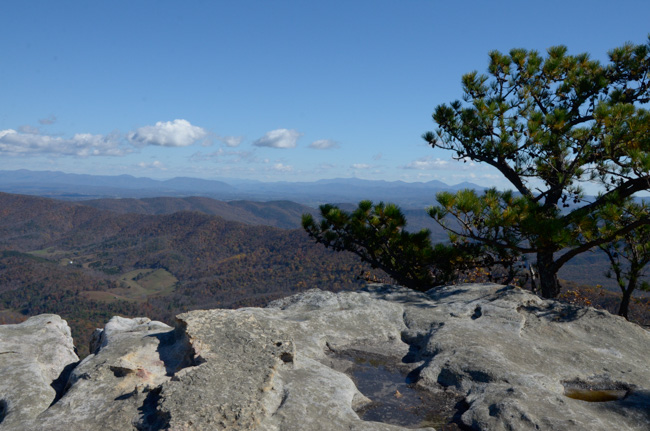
(53, 182)
(82, 186)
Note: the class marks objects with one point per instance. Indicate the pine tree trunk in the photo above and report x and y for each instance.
(627, 295)
(625, 304)
(548, 282)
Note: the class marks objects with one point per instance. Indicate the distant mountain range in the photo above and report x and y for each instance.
(82, 187)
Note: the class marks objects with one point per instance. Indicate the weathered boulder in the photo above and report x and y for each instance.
(34, 357)
(481, 357)
(108, 389)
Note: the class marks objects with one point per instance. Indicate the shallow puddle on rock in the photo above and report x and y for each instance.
(396, 400)
(596, 390)
(595, 396)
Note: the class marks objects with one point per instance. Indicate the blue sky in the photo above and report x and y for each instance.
(266, 90)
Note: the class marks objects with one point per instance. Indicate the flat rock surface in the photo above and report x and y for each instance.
(480, 357)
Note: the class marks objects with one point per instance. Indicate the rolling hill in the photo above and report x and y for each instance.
(282, 214)
(87, 263)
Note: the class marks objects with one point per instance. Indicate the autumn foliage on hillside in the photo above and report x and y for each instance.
(71, 260)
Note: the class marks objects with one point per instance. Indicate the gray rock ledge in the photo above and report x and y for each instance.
(491, 357)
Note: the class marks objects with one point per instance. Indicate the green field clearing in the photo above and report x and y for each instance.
(45, 252)
(49, 253)
(139, 285)
(63, 257)
(159, 280)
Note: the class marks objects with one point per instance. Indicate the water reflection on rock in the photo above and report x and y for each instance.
(395, 397)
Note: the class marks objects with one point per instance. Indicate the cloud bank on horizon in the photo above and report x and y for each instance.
(30, 141)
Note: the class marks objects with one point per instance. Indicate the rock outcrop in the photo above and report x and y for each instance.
(35, 357)
(479, 357)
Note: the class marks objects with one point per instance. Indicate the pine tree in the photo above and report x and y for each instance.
(549, 124)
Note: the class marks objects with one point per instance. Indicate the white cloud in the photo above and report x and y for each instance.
(282, 167)
(86, 144)
(361, 166)
(279, 138)
(377, 156)
(82, 144)
(426, 163)
(324, 144)
(177, 133)
(231, 141)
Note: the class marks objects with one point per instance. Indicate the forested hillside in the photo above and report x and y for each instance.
(283, 214)
(88, 264)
